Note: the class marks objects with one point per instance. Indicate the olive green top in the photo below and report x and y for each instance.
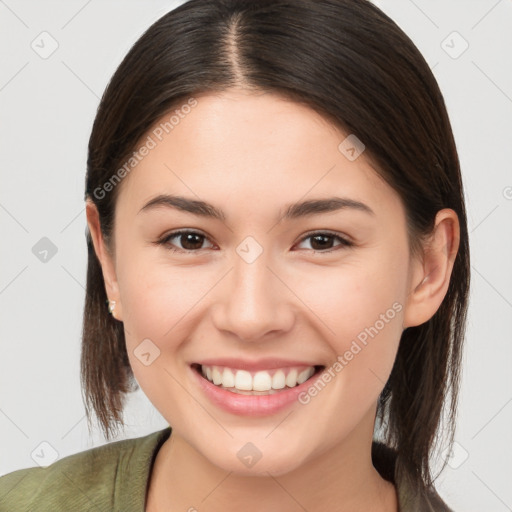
(114, 478)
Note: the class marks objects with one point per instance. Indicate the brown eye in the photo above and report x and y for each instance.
(323, 242)
(190, 241)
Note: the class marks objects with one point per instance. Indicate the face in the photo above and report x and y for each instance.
(255, 289)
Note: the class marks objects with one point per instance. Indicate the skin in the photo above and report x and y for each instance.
(250, 154)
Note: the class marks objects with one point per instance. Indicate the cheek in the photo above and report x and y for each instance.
(156, 295)
(361, 309)
(158, 302)
(161, 302)
(353, 297)
(145, 294)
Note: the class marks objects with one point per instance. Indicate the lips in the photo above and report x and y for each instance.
(250, 402)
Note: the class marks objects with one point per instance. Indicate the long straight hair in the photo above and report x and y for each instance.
(352, 64)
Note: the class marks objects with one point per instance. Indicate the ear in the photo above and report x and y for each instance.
(105, 258)
(430, 276)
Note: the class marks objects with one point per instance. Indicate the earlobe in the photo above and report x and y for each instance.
(105, 258)
(431, 276)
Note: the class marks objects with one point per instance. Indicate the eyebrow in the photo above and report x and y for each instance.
(292, 211)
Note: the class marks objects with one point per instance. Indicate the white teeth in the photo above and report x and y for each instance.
(278, 380)
(243, 380)
(291, 378)
(304, 376)
(217, 376)
(261, 381)
(228, 378)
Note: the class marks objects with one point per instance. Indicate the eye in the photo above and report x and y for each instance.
(191, 241)
(323, 240)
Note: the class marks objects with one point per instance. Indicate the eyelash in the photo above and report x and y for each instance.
(165, 241)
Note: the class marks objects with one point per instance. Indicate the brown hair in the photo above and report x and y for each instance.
(351, 63)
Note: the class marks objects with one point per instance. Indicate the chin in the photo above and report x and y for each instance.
(248, 461)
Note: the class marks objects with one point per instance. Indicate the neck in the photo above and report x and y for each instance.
(342, 478)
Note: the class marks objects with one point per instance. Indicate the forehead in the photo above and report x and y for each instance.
(250, 150)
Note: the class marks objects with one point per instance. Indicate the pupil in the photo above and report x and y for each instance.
(189, 240)
(323, 238)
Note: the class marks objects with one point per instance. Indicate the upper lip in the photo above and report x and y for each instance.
(260, 364)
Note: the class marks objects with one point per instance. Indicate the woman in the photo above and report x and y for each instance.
(278, 256)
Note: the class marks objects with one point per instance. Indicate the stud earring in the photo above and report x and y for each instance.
(111, 306)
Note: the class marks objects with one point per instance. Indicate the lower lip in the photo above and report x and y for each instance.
(251, 405)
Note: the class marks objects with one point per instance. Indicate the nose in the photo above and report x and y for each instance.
(254, 302)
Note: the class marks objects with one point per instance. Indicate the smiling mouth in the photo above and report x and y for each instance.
(263, 382)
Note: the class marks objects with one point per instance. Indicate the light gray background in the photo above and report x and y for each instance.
(47, 106)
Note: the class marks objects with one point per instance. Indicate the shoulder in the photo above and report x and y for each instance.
(88, 480)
